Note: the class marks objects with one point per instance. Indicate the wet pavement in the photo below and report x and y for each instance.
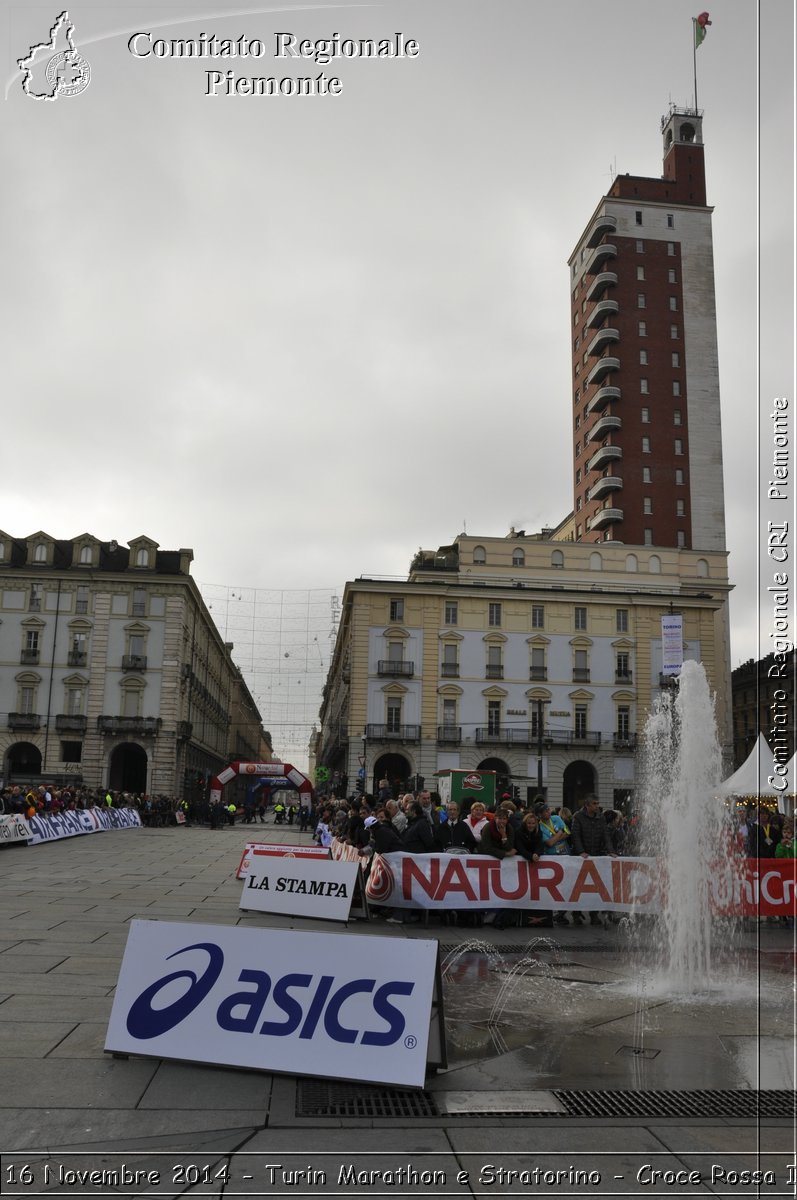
(531, 1024)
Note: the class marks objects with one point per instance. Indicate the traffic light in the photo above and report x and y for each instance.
(360, 787)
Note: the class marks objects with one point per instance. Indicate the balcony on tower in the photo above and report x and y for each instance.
(600, 283)
(603, 224)
(601, 398)
(602, 339)
(599, 257)
(603, 367)
(603, 427)
(606, 308)
(604, 455)
(606, 516)
(606, 484)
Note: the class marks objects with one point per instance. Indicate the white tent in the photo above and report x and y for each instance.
(752, 777)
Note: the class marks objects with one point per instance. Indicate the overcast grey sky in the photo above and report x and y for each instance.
(305, 336)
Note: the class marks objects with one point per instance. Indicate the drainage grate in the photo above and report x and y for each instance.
(678, 1104)
(319, 1098)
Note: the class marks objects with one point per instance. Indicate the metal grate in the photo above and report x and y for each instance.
(678, 1104)
(320, 1098)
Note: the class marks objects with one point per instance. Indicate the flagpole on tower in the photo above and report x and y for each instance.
(694, 54)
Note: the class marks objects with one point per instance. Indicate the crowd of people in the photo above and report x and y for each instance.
(46, 800)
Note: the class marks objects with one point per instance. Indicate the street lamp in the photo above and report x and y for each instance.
(540, 711)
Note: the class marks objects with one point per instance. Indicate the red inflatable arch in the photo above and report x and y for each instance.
(273, 770)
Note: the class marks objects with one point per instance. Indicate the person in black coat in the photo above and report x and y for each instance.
(417, 837)
(453, 831)
(529, 845)
(385, 839)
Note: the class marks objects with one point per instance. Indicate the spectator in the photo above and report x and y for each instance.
(477, 819)
(555, 838)
(763, 835)
(591, 838)
(417, 837)
(452, 831)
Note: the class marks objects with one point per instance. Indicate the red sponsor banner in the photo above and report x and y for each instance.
(566, 882)
(276, 850)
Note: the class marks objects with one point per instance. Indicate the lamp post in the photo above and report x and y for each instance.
(540, 710)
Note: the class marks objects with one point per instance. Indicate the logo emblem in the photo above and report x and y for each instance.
(380, 881)
(473, 782)
(55, 68)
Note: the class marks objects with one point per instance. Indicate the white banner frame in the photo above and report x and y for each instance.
(321, 888)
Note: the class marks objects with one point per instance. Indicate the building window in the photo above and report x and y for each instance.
(647, 505)
(671, 248)
(673, 304)
(623, 722)
(654, 562)
(393, 714)
(670, 220)
(640, 272)
(450, 667)
(85, 556)
(494, 615)
(580, 618)
(397, 610)
(671, 275)
(40, 553)
(679, 446)
(142, 557)
(449, 714)
(495, 667)
(138, 607)
(675, 359)
(395, 652)
(579, 530)
(631, 562)
(680, 539)
(674, 332)
(537, 720)
(640, 247)
(538, 670)
(578, 448)
(578, 421)
(131, 701)
(136, 645)
(643, 329)
(648, 537)
(676, 388)
(643, 387)
(640, 300)
(644, 414)
(73, 700)
(537, 616)
(26, 698)
(622, 668)
(451, 612)
(557, 558)
(676, 417)
(679, 508)
(518, 558)
(638, 216)
(679, 476)
(479, 555)
(578, 476)
(494, 717)
(580, 666)
(580, 721)
(643, 358)
(35, 601)
(646, 445)
(32, 641)
(578, 504)
(622, 616)
(82, 601)
(646, 475)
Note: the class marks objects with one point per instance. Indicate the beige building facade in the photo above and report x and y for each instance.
(531, 656)
(112, 672)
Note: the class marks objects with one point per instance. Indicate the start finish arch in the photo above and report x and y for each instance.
(264, 770)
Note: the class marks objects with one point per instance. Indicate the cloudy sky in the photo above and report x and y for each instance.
(306, 336)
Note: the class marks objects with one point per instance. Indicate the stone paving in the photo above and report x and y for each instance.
(67, 1106)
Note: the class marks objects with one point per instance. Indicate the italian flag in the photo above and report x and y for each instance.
(700, 23)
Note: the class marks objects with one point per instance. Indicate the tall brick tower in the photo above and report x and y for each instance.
(647, 447)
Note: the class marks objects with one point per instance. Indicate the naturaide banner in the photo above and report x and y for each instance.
(345, 1006)
(300, 887)
(743, 887)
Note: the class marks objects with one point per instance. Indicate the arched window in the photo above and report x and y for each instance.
(595, 561)
(479, 555)
(85, 555)
(702, 568)
(518, 558)
(40, 553)
(654, 564)
(142, 557)
(631, 562)
(557, 558)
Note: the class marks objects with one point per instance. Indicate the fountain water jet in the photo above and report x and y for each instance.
(684, 825)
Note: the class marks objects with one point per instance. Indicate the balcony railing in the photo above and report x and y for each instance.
(605, 516)
(77, 658)
(602, 310)
(603, 338)
(601, 255)
(529, 737)
(602, 397)
(393, 733)
(538, 673)
(138, 725)
(600, 283)
(603, 367)
(606, 484)
(494, 671)
(604, 455)
(625, 741)
(134, 662)
(572, 737)
(70, 723)
(24, 721)
(449, 735)
(29, 658)
(184, 730)
(580, 674)
(395, 668)
(624, 677)
(449, 670)
(603, 426)
(605, 223)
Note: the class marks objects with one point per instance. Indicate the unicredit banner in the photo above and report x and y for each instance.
(562, 882)
(324, 1004)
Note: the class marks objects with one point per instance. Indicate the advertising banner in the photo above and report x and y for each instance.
(300, 887)
(672, 644)
(14, 828)
(253, 849)
(739, 887)
(343, 1006)
(83, 820)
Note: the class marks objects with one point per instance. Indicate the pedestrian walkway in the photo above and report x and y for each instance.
(68, 1106)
